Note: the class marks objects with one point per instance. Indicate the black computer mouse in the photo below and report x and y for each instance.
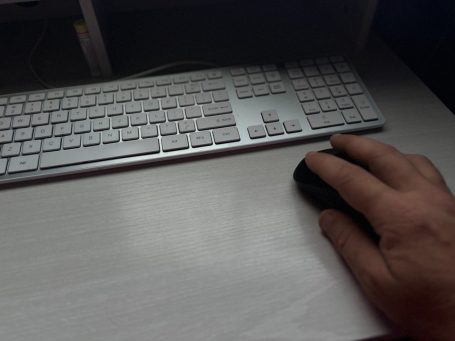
(312, 185)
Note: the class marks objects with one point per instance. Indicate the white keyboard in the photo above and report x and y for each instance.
(78, 129)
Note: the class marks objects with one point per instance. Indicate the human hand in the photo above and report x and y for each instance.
(410, 274)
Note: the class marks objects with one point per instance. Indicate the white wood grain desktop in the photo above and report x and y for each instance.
(223, 248)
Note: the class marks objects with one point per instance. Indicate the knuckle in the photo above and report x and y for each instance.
(344, 176)
(342, 240)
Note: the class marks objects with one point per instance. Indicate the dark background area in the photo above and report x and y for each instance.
(421, 32)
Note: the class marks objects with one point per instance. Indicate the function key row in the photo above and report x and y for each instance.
(114, 87)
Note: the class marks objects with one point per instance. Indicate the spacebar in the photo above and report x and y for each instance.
(98, 153)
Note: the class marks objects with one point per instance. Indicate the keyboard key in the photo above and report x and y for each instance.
(23, 164)
(52, 144)
(201, 139)
(292, 126)
(186, 126)
(40, 119)
(101, 124)
(3, 163)
(240, 81)
(348, 77)
(261, 90)
(354, 89)
(21, 121)
(51, 105)
(311, 107)
(344, 102)
(364, 106)
(203, 98)
(326, 69)
(55, 94)
(87, 101)
(73, 92)
(151, 105)
(220, 96)
(338, 91)
(328, 105)
(305, 95)
(225, 135)
(316, 82)
(99, 153)
(140, 94)
(43, 132)
(35, 97)
(6, 136)
(274, 129)
(5, 123)
(219, 121)
(244, 92)
(168, 103)
(257, 78)
(295, 73)
(325, 120)
(273, 76)
(300, 84)
(186, 100)
(73, 141)
(91, 139)
(321, 93)
(149, 131)
(193, 112)
(59, 117)
(14, 109)
(123, 96)
(269, 116)
(237, 71)
(157, 117)
(114, 109)
(351, 115)
(78, 115)
(332, 79)
(158, 92)
(92, 90)
(168, 128)
(11, 149)
(133, 107)
(69, 103)
(110, 136)
(277, 88)
(216, 109)
(138, 119)
(175, 142)
(131, 133)
(211, 85)
(82, 126)
(342, 67)
(175, 114)
(23, 134)
(62, 129)
(256, 131)
(31, 147)
(96, 112)
(32, 108)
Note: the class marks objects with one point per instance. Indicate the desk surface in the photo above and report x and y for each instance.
(222, 248)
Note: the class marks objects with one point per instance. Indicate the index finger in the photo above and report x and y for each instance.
(359, 188)
(383, 160)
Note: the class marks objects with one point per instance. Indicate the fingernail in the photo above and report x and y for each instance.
(326, 220)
